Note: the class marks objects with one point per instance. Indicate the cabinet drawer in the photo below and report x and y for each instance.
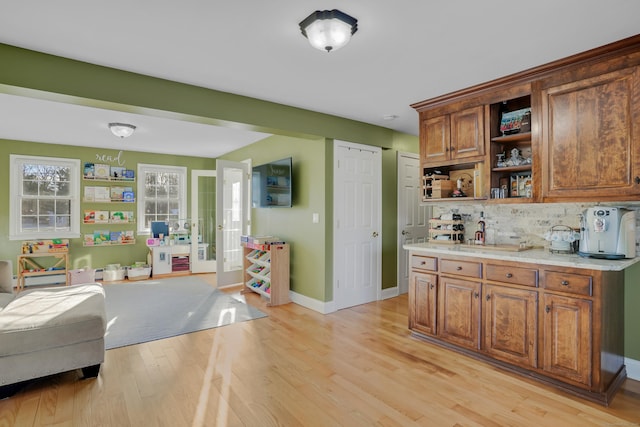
(461, 268)
(514, 275)
(424, 263)
(568, 282)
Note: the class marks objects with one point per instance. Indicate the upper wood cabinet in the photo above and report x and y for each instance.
(452, 137)
(590, 138)
(584, 143)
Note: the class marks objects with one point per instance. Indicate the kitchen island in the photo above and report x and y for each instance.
(553, 317)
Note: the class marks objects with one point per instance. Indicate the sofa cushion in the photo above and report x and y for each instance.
(6, 277)
(5, 299)
(43, 318)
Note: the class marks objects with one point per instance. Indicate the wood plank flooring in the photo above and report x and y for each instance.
(355, 367)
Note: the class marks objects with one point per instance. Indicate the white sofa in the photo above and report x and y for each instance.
(45, 331)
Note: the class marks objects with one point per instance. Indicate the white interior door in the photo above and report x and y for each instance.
(357, 224)
(203, 221)
(232, 217)
(413, 216)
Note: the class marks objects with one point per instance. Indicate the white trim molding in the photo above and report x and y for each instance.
(633, 368)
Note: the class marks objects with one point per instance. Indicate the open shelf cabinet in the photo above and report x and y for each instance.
(266, 272)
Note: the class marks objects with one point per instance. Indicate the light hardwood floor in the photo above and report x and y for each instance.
(355, 367)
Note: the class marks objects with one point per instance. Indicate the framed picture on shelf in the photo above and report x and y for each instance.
(515, 121)
(521, 184)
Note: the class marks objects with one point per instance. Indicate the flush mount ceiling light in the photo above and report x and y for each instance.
(122, 130)
(328, 29)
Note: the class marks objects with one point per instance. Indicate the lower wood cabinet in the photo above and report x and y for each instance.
(459, 312)
(567, 338)
(560, 325)
(422, 294)
(510, 324)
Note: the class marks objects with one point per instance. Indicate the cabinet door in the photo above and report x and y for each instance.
(467, 133)
(567, 338)
(591, 146)
(510, 324)
(434, 140)
(422, 302)
(459, 312)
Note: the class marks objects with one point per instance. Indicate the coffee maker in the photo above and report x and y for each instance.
(608, 232)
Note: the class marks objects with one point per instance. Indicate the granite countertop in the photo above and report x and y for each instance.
(537, 256)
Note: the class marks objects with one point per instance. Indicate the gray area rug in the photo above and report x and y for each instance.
(154, 309)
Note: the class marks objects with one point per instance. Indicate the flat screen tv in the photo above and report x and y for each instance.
(271, 184)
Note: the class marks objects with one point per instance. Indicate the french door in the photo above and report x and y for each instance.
(232, 219)
(203, 221)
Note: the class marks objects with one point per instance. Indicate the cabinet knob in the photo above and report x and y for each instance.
(509, 275)
(488, 297)
(565, 283)
(423, 263)
(476, 294)
(547, 309)
(637, 180)
(431, 286)
(458, 268)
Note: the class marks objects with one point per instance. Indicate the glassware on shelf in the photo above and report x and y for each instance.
(515, 159)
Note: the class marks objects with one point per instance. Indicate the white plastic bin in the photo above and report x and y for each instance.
(139, 273)
(83, 275)
(112, 273)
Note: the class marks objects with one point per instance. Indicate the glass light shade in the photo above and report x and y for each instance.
(328, 29)
(122, 130)
(329, 34)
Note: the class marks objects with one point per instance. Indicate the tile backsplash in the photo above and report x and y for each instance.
(527, 222)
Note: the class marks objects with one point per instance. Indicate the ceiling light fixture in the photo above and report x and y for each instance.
(328, 29)
(122, 130)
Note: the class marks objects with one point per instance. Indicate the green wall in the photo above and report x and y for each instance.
(632, 312)
(79, 255)
(294, 225)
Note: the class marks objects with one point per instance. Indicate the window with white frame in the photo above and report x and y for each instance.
(162, 195)
(45, 197)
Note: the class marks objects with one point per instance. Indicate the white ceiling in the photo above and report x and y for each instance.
(404, 52)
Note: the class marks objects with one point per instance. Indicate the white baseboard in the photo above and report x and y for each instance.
(312, 304)
(633, 368)
(390, 292)
(329, 306)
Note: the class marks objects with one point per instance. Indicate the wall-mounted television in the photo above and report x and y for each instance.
(271, 184)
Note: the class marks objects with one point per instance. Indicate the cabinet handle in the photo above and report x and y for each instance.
(637, 179)
(547, 309)
(509, 275)
(476, 294)
(423, 263)
(458, 268)
(488, 297)
(564, 283)
(431, 286)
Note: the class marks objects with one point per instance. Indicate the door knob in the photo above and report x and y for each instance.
(220, 227)
(405, 232)
(375, 234)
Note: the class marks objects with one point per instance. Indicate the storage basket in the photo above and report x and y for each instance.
(112, 273)
(83, 275)
(139, 273)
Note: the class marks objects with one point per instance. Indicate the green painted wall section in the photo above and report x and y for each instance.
(79, 255)
(632, 312)
(295, 225)
(36, 74)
